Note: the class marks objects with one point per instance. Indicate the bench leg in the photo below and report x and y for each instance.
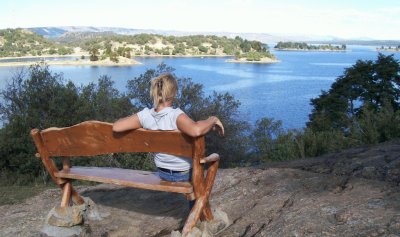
(209, 182)
(67, 192)
(66, 197)
(76, 198)
(194, 215)
(202, 207)
(206, 214)
(190, 196)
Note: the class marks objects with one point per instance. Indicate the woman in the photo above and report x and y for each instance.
(163, 90)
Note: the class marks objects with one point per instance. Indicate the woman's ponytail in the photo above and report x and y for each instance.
(163, 88)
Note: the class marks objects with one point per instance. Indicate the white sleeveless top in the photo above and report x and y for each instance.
(164, 120)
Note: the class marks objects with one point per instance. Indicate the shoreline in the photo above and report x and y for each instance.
(139, 56)
(72, 63)
(312, 50)
(388, 50)
(183, 56)
(47, 56)
(127, 62)
(262, 61)
(81, 62)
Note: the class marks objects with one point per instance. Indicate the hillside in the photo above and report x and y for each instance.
(351, 193)
(21, 42)
(54, 32)
(107, 44)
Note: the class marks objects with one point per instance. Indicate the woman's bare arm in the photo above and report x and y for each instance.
(195, 129)
(128, 123)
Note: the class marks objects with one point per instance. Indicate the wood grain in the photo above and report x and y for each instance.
(92, 138)
(44, 155)
(125, 177)
(66, 197)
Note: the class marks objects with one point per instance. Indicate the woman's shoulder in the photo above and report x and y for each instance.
(145, 112)
(177, 111)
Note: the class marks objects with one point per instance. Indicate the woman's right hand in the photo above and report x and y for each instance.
(219, 127)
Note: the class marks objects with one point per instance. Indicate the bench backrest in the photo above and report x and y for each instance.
(92, 138)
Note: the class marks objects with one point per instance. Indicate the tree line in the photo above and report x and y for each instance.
(143, 44)
(361, 107)
(305, 46)
(20, 42)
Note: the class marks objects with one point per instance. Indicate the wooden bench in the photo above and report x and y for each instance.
(93, 138)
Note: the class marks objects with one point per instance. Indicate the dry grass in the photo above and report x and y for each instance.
(16, 194)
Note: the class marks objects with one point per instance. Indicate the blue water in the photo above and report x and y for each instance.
(281, 90)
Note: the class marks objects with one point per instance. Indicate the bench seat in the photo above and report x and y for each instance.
(125, 177)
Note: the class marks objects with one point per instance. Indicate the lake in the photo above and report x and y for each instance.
(280, 91)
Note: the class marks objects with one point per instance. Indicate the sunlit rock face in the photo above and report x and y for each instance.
(351, 193)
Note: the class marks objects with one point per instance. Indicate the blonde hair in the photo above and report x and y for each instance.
(163, 88)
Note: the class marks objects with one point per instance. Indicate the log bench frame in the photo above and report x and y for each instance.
(93, 138)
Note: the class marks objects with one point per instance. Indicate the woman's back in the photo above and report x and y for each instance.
(165, 119)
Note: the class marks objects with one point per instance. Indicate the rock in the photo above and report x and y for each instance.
(176, 234)
(220, 222)
(195, 232)
(65, 217)
(369, 172)
(73, 217)
(208, 228)
(333, 195)
(90, 210)
(394, 224)
(74, 231)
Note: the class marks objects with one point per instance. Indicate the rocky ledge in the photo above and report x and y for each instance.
(351, 193)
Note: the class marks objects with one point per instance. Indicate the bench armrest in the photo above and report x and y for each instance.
(211, 158)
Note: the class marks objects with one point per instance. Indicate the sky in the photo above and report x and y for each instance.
(359, 19)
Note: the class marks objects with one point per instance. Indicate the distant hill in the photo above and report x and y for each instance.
(100, 44)
(360, 42)
(22, 42)
(54, 32)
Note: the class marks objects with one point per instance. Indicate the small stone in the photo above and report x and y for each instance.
(205, 230)
(369, 172)
(343, 217)
(220, 222)
(375, 203)
(394, 225)
(65, 216)
(55, 231)
(195, 232)
(176, 234)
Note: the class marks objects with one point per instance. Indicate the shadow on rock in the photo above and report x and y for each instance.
(142, 201)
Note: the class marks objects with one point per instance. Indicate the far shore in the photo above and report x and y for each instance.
(184, 56)
(48, 56)
(312, 50)
(388, 50)
(262, 61)
(122, 62)
(139, 56)
(74, 63)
